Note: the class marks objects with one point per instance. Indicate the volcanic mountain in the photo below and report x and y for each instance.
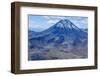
(63, 31)
(62, 35)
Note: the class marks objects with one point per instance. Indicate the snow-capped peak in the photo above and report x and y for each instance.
(66, 24)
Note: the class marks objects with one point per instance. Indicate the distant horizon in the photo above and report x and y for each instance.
(38, 23)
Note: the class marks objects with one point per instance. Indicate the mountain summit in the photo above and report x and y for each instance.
(65, 23)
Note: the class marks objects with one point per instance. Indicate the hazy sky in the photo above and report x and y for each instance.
(39, 23)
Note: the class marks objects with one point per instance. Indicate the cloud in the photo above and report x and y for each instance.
(46, 17)
(52, 21)
(54, 17)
